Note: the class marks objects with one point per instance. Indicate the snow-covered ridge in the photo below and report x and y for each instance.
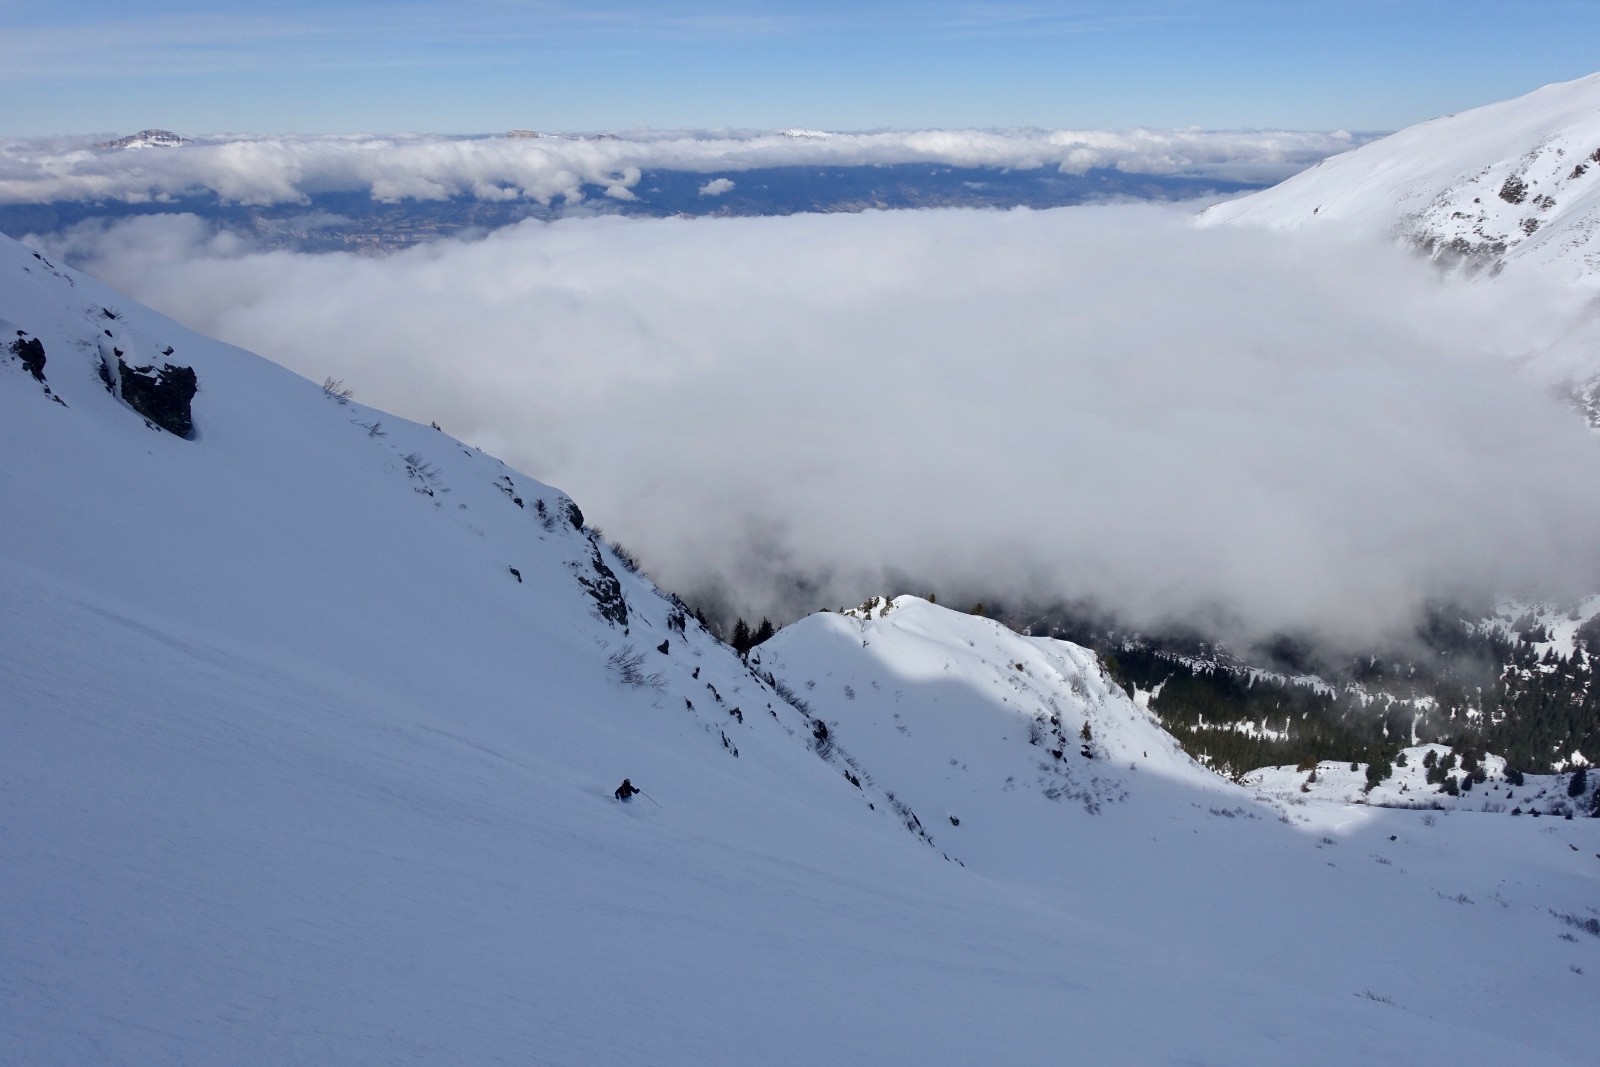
(998, 740)
(1515, 183)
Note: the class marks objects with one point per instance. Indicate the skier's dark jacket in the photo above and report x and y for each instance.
(625, 790)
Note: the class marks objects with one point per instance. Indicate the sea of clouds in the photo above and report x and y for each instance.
(1263, 430)
(290, 170)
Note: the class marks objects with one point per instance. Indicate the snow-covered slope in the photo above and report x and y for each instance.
(979, 728)
(1513, 183)
(309, 720)
(982, 731)
(310, 728)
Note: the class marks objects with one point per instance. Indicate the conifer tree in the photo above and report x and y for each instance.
(1377, 771)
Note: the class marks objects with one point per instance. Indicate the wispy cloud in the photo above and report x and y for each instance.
(100, 41)
(167, 45)
(1053, 18)
(154, 45)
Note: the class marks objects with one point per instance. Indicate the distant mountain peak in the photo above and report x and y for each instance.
(146, 139)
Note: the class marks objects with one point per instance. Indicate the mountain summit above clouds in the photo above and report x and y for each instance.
(1511, 185)
(146, 139)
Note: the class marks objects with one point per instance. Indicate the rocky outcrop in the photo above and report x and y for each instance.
(605, 589)
(162, 393)
(31, 352)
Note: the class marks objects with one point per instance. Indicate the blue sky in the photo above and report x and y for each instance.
(465, 66)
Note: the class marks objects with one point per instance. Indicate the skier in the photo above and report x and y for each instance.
(625, 791)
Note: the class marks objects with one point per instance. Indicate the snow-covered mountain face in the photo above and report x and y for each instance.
(976, 727)
(146, 139)
(311, 718)
(310, 696)
(1512, 185)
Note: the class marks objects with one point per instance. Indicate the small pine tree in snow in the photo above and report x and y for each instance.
(1579, 784)
(1377, 771)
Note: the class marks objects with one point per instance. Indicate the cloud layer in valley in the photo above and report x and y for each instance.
(1107, 402)
(289, 170)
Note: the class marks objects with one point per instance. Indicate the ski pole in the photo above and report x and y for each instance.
(650, 798)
